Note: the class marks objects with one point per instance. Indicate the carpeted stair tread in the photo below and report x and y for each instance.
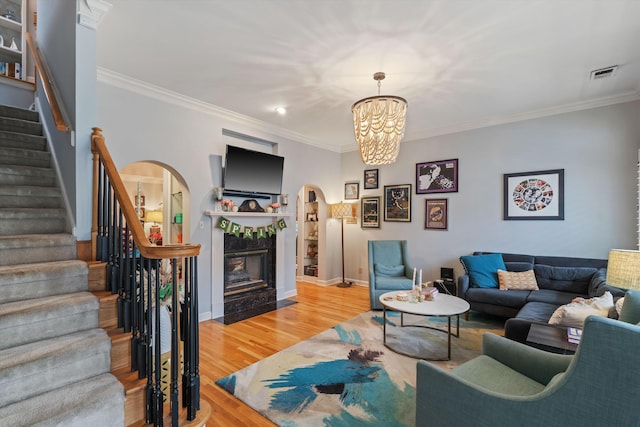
(97, 401)
(35, 248)
(24, 281)
(21, 140)
(30, 213)
(23, 126)
(37, 367)
(27, 196)
(21, 156)
(27, 175)
(20, 221)
(39, 318)
(19, 113)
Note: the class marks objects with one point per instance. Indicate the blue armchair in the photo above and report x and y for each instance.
(389, 269)
(512, 384)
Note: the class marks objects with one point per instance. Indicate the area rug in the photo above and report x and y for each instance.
(346, 377)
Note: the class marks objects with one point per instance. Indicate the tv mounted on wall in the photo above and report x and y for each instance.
(249, 173)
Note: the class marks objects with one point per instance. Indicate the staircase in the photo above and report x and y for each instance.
(55, 360)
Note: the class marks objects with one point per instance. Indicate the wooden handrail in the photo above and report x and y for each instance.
(146, 248)
(56, 111)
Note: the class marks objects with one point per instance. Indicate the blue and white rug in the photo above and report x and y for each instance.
(345, 376)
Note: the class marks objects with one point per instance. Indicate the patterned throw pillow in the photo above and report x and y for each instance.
(523, 280)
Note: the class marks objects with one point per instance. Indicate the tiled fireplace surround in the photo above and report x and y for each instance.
(218, 258)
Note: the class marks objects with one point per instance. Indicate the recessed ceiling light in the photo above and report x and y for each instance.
(281, 110)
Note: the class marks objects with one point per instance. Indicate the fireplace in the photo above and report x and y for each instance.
(249, 277)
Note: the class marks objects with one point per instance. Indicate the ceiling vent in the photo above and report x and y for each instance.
(603, 72)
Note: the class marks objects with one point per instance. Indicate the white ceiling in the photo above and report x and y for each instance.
(460, 64)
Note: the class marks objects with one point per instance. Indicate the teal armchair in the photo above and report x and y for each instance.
(512, 384)
(389, 269)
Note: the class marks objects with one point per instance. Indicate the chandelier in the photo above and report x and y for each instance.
(378, 124)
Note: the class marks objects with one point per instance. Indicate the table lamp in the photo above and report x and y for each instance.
(154, 231)
(623, 269)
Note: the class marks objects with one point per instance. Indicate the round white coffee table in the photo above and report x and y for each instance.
(442, 305)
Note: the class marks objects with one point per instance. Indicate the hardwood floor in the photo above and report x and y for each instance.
(225, 349)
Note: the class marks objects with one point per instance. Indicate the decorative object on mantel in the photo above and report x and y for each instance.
(227, 205)
(273, 207)
(250, 205)
(284, 201)
(378, 125)
(247, 230)
(340, 211)
(217, 195)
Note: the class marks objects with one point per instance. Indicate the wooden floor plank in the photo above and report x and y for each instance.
(225, 349)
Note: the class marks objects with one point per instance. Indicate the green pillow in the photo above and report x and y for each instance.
(389, 270)
(483, 269)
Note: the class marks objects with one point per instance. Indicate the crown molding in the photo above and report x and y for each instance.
(164, 95)
(91, 12)
(534, 114)
(146, 89)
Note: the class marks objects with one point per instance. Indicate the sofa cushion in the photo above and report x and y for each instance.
(566, 279)
(389, 270)
(483, 269)
(598, 285)
(518, 266)
(556, 298)
(522, 280)
(510, 298)
(574, 314)
(539, 312)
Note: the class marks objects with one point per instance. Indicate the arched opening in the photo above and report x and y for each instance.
(161, 198)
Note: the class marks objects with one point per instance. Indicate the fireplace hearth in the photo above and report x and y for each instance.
(249, 277)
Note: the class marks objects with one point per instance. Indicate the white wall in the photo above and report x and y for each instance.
(138, 127)
(598, 150)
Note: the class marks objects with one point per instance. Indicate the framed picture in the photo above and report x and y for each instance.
(534, 195)
(370, 211)
(437, 177)
(312, 216)
(351, 190)
(397, 203)
(436, 214)
(370, 179)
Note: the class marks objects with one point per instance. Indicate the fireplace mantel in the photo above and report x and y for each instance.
(255, 219)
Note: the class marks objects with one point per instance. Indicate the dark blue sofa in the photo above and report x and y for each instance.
(560, 280)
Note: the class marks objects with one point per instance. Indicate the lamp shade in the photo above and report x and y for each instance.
(153, 216)
(623, 269)
(378, 125)
(341, 210)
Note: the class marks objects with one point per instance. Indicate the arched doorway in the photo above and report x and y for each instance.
(161, 198)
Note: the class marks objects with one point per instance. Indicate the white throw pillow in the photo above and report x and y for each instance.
(619, 304)
(573, 314)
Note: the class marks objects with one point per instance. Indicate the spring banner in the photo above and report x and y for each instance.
(247, 230)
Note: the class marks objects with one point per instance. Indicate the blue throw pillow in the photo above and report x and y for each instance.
(483, 269)
(389, 270)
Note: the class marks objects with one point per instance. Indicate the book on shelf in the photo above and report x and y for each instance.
(574, 335)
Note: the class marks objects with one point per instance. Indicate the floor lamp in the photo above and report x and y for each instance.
(341, 211)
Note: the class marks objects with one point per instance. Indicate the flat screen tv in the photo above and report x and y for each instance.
(252, 173)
